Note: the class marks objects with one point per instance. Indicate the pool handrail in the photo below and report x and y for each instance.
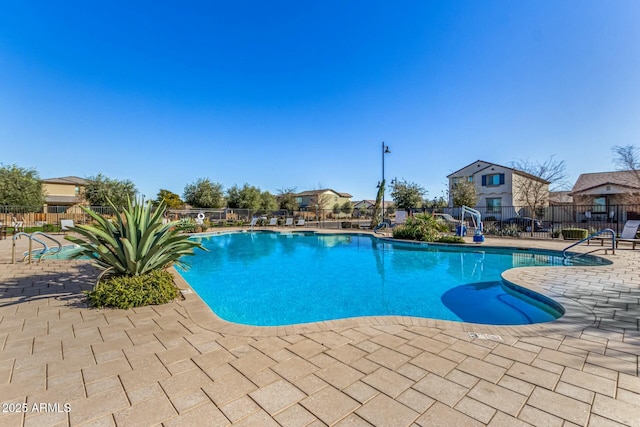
(597, 233)
(31, 238)
(47, 252)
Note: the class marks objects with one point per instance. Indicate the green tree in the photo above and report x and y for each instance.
(204, 194)
(102, 191)
(268, 202)
(407, 195)
(250, 197)
(247, 197)
(464, 193)
(287, 199)
(347, 207)
(336, 208)
(20, 187)
(435, 203)
(170, 199)
(233, 197)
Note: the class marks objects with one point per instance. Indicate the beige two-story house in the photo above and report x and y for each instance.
(321, 199)
(499, 188)
(63, 194)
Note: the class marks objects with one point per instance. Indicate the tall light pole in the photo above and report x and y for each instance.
(385, 150)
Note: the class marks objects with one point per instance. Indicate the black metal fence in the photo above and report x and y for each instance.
(549, 221)
(25, 217)
(506, 221)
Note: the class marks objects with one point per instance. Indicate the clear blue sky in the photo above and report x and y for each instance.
(301, 94)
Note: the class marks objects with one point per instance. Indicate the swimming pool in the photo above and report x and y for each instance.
(52, 253)
(272, 279)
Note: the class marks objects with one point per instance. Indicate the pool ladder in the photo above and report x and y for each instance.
(567, 256)
(32, 237)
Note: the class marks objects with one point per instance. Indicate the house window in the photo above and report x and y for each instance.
(299, 200)
(459, 179)
(600, 204)
(494, 205)
(493, 180)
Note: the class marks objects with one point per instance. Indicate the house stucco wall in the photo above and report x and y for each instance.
(59, 189)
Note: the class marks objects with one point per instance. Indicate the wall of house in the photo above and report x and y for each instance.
(464, 174)
(326, 200)
(519, 199)
(506, 191)
(503, 191)
(59, 189)
(330, 198)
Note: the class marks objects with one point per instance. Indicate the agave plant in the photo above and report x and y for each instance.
(135, 243)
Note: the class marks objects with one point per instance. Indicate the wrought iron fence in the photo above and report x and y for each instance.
(549, 221)
(508, 220)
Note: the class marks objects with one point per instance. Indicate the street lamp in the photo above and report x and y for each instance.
(385, 150)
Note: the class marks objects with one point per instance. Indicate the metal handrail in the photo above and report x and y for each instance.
(31, 239)
(604, 230)
(47, 252)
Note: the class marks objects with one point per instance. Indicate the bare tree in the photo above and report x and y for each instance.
(627, 158)
(532, 188)
(320, 201)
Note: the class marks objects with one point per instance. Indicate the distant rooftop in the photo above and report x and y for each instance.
(587, 181)
(315, 192)
(516, 171)
(560, 198)
(71, 180)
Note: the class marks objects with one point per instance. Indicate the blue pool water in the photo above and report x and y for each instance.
(270, 279)
(53, 252)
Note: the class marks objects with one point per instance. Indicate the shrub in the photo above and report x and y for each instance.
(423, 227)
(507, 231)
(155, 287)
(187, 225)
(574, 233)
(450, 239)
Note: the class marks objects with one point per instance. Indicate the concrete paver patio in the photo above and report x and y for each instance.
(179, 365)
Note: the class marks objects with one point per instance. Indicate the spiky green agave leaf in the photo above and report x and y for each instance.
(135, 243)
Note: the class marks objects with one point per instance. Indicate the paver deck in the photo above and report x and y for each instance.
(62, 363)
